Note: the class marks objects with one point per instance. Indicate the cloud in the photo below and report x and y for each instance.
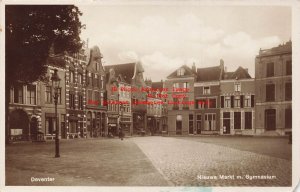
(128, 56)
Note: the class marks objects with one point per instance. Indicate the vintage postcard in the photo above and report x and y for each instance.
(150, 95)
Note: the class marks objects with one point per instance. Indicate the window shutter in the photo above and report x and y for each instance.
(222, 101)
(252, 100)
(232, 101)
(242, 101)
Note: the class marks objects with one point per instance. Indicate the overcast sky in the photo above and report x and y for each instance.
(165, 37)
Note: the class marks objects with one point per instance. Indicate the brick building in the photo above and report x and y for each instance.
(47, 101)
(207, 105)
(180, 90)
(95, 91)
(75, 119)
(273, 90)
(237, 103)
(119, 111)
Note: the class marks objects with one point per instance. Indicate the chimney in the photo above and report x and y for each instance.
(194, 68)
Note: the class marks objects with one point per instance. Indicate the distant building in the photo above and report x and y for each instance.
(156, 108)
(207, 97)
(237, 103)
(273, 90)
(95, 93)
(180, 85)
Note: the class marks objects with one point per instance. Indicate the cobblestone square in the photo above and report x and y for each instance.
(151, 161)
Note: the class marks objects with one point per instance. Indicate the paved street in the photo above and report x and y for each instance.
(151, 161)
(183, 161)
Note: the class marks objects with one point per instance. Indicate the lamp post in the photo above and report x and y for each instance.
(55, 85)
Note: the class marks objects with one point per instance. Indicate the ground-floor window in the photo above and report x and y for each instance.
(50, 123)
(288, 118)
(73, 126)
(210, 122)
(270, 119)
(248, 120)
(178, 124)
(198, 123)
(191, 124)
(237, 120)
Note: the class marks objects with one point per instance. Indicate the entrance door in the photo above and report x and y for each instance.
(270, 119)
(226, 124)
(198, 127)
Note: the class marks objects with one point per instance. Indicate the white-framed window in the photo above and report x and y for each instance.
(180, 72)
(227, 102)
(237, 101)
(186, 85)
(206, 90)
(176, 85)
(237, 86)
(247, 101)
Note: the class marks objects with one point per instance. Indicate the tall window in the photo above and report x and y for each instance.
(186, 85)
(227, 102)
(185, 101)
(270, 92)
(59, 96)
(50, 125)
(237, 86)
(288, 91)
(201, 103)
(248, 120)
(212, 103)
(247, 101)
(206, 90)
(80, 78)
(288, 67)
(72, 101)
(191, 123)
(96, 83)
(288, 118)
(72, 77)
(101, 82)
(237, 101)
(90, 95)
(97, 96)
(270, 69)
(31, 94)
(176, 85)
(80, 102)
(48, 94)
(175, 104)
(18, 94)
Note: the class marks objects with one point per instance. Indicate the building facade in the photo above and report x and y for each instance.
(75, 120)
(273, 90)
(237, 103)
(25, 114)
(47, 99)
(207, 97)
(180, 101)
(95, 91)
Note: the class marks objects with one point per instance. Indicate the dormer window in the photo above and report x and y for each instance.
(180, 72)
(237, 86)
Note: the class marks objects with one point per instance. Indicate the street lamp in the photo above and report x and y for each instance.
(55, 85)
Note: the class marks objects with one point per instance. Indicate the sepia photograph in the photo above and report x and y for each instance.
(188, 95)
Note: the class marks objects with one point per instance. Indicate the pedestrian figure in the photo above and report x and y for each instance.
(121, 134)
